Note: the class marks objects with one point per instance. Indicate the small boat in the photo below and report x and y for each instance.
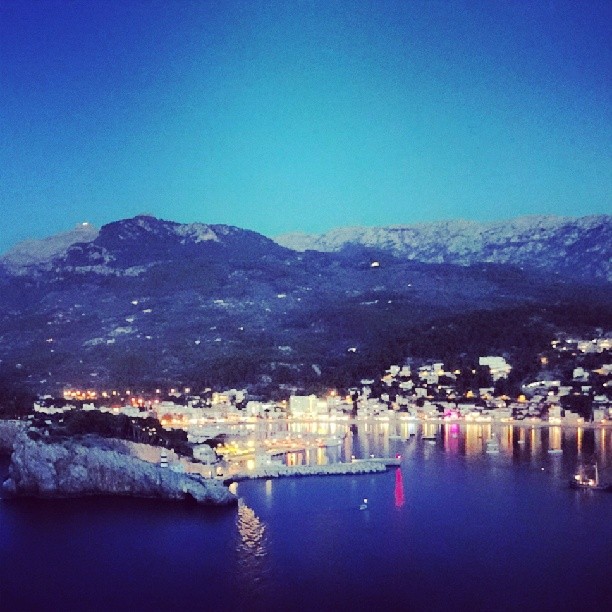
(492, 446)
(555, 451)
(330, 441)
(364, 504)
(589, 479)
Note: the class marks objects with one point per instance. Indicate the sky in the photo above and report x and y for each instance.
(300, 115)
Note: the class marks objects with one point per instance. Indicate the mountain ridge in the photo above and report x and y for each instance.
(540, 242)
(148, 301)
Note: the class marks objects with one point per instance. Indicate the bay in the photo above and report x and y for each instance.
(452, 528)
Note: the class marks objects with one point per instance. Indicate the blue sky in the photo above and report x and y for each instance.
(302, 115)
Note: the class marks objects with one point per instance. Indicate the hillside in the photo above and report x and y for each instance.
(145, 302)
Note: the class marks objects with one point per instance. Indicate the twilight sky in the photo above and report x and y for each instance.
(302, 115)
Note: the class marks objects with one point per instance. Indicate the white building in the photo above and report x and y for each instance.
(498, 366)
(303, 405)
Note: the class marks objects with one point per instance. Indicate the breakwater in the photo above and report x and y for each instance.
(334, 469)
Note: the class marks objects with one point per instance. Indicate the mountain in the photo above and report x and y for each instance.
(30, 255)
(577, 248)
(147, 302)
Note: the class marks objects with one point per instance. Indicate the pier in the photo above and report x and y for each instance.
(386, 461)
(366, 466)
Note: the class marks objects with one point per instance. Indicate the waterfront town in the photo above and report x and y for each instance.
(252, 433)
(427, 391)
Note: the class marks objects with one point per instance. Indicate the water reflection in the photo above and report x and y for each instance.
(399, 489)
(532, 443)
(554, 438)
(252, 553)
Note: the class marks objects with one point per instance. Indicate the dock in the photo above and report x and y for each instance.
(386, 461)
(365, 466)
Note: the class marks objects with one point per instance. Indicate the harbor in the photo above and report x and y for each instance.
(286, 448)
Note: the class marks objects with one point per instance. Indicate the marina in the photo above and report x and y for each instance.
(324, 442)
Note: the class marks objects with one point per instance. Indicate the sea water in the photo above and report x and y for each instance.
(452, 528)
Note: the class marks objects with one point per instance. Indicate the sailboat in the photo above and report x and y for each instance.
(584, 480)
(492, 445)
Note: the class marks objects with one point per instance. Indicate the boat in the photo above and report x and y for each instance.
(588, 478)
(364, 505)
(429, 437)
(492, 446)
(330, 441)
(555, 451)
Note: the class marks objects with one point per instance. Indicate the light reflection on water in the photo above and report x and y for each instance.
(399, 489)
(252, 554)
(528, 443)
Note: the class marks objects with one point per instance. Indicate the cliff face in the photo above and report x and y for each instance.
(9, 430)
(100, 467)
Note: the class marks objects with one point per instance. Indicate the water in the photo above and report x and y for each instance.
(452, 529)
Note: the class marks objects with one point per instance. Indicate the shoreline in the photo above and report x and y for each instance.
(440, 421)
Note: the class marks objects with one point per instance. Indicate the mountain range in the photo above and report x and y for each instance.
(144, 302)
(577, 248)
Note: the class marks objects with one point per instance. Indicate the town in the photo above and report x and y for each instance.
(580, 393)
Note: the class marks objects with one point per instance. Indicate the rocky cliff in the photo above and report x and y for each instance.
(9, 431)
(92, 466)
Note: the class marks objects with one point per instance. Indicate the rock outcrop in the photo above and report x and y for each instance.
(9, 430)
(95, 466)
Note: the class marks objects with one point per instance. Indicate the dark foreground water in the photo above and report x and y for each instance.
(447, 531)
